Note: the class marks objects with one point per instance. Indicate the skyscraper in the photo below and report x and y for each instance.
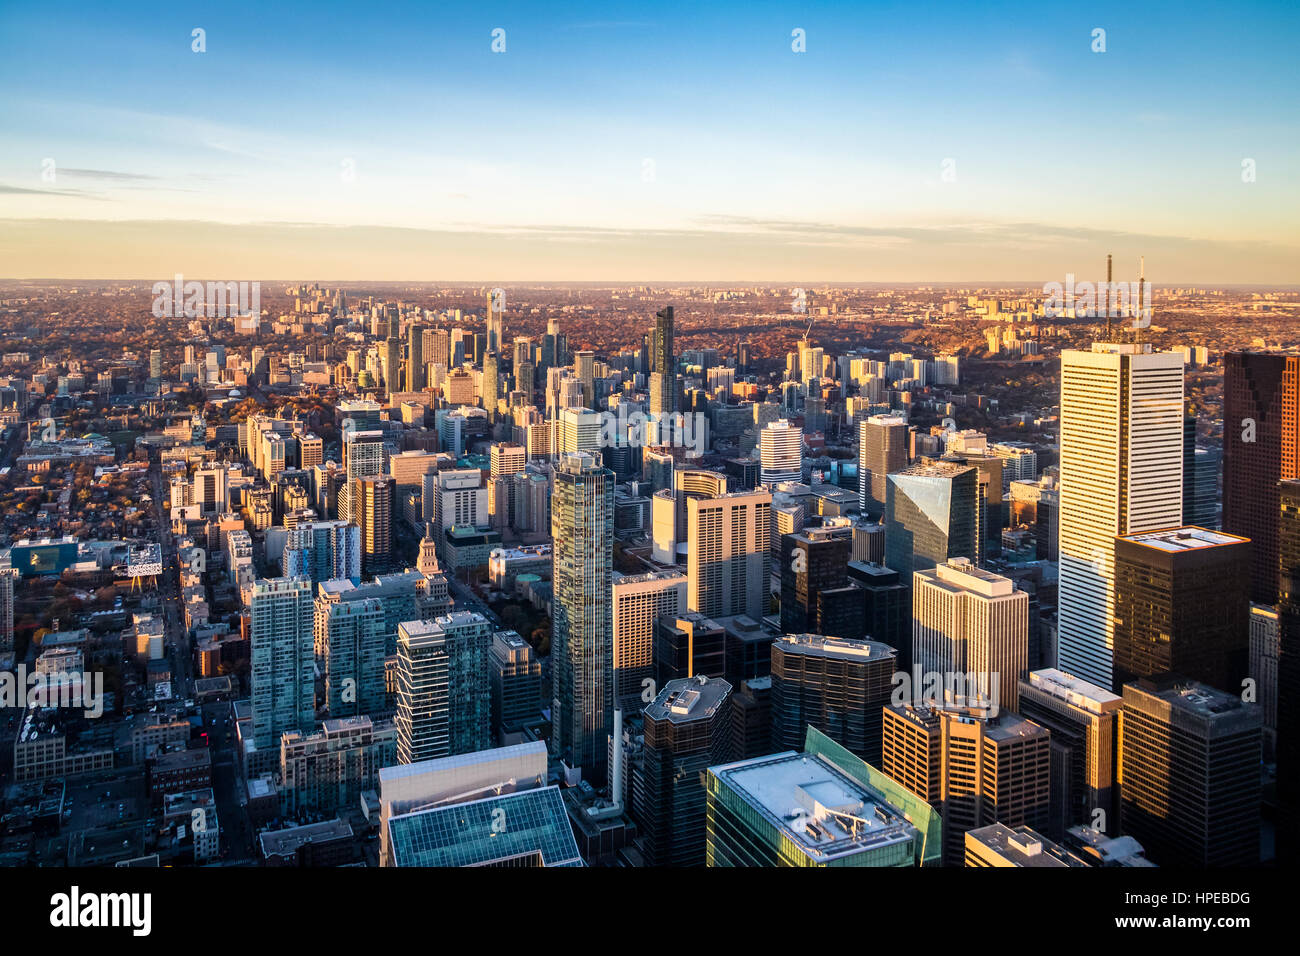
(971, 622)
(687, 730)
(1288, 671)
(371, 502)
(688, 645)
(838, 686)
(280, 630)
(415, 358)
(974, 770)
(349, 637)
(816, 595)
(780, 446)
(444, 703)
(929, 516)
(882, 450)
(1182, 604)
(639, 601)
(1084, 722)
(1261, 446)
(1189, 778)
(491, 383)
(582, 525)
(727, 565)
(1121, 473)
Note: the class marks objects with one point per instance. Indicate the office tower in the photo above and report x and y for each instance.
(838, 686)
(1200, 479)
(882, 450)
(455, 497)
(496, 320)
(584, 366)
(1182, 604)
(436, 345)
(582, 525)
(1262, 669)
(1189, 780)
(823, 808)
(516, 684)
(688, 645)
(280, 624)
(751, 718)
(491, 384)
(1121, 473)
(974, 770)
(323, 551)
(349, 637)
(326, 772)
(392, 360)
(1261, 446)
(639, 601)
(371, 502)
(444, 704)
(1288, 670)
(929, 516)
(311, 451)
(687, 731)
(1001, 845)
(155, 364)
(8, 579)
(727, 564)
(363, 457)
(816, 596)
(971, 622)
(525, 379)
(415, 377)
(212, 490)
(579, 430)
(1083, 720)
(888, 608)
(780, 446)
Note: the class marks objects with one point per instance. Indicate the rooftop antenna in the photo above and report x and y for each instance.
(1108, 300)
(1142, 306)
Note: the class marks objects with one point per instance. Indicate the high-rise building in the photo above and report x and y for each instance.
(1261, 446)
(1182, 604)
(838, 686)
(444, 703)
(1189, 779)
(971, 622)
(371, 502)
(582, 654)
(327, 771)
(727, 564)
(780, 446)
(491, 388)
(349, 638)
(687, 731)
(516, 683)
(1083, 720)
(415, 377)
(688, 645)
(974, 770)
(816, 596)
(1288, 671)
(1001, 845)
(8, 580)
(882, 450)
(930, 516)
(639, 602)
(323, 551)
(1121, 474)
(823, 808)
(280, 630)
(888, 615)
(663, 362)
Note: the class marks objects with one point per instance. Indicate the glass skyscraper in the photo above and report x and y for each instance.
(582, 653)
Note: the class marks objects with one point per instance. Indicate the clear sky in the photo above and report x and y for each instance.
(642, 141)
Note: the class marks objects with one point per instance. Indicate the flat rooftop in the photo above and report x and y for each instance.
(1023, 846)
(844, 648)
(817, 806)
(689, 698)
(1075, 690)
(1190, 538)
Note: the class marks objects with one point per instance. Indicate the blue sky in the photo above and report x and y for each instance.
(625, 133)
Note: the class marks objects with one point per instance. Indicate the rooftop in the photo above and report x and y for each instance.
(689, 698)
(837, 647)
(1190, 538)
(814, 804)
